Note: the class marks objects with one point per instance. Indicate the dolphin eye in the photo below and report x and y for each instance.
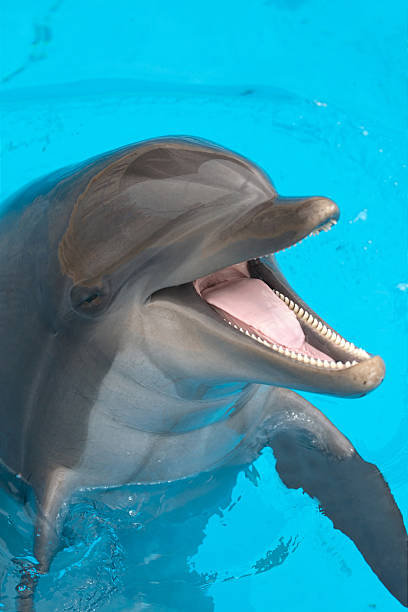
(89, 300)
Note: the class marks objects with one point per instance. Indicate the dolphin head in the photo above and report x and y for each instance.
(170, 246)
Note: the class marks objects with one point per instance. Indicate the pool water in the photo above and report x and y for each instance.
(313, 92)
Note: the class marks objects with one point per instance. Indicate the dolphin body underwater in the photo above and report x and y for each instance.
(147, 338)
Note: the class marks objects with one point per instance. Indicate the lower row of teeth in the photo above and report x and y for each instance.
(324, 363)
(323, 330)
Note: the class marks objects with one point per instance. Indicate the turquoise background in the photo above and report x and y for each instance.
(313, 91)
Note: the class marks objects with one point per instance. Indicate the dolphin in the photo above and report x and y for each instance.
(149, 336)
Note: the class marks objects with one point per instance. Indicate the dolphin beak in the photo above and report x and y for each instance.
(255, 300)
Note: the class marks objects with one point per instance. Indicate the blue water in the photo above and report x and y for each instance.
(314, 92)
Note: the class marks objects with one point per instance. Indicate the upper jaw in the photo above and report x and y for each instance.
(227, 235)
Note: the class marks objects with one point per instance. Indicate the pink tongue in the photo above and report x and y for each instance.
(255, 306)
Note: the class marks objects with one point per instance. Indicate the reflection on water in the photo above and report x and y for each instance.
(135, 544)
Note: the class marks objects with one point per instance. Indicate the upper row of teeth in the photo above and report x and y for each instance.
(325, 331)
(323, 228)
(294, 354)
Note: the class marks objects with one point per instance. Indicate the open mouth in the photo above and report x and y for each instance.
(254, 299)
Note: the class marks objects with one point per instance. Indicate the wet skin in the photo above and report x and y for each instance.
(115, 370)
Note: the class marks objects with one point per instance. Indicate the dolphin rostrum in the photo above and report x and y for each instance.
(147, 338)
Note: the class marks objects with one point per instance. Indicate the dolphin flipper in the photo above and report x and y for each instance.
(51, 498)
(313, 455)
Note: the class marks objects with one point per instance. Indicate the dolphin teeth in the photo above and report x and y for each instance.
(323, 228)
(318, 326)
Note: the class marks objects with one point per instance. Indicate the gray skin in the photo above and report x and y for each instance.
(115, 371)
